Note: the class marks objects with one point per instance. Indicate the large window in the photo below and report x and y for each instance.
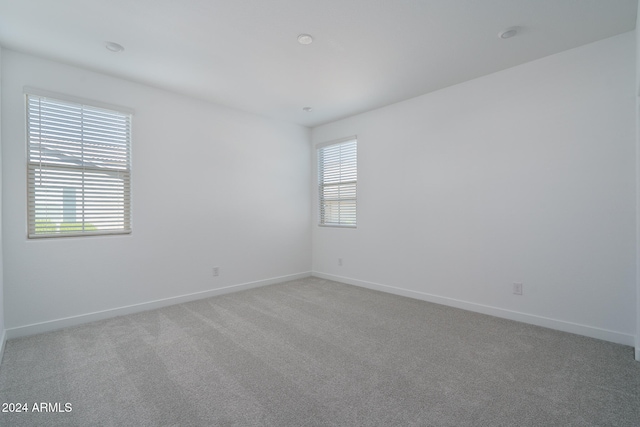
(337, 182)
(79, 166)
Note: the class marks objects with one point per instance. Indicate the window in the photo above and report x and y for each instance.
(337, 181)
(79, 165)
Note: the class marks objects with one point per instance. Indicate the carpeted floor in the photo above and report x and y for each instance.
(317, 353)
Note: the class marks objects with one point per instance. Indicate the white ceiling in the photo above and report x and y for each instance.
(365, 54)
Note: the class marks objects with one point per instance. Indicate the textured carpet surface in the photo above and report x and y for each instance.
(317, 353)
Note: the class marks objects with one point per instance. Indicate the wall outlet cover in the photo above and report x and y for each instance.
(517, 288)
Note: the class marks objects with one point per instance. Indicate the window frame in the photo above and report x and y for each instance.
(343, 176)
(83, 174)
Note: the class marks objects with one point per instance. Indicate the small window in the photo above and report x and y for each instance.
(79, 166)
(337, 182)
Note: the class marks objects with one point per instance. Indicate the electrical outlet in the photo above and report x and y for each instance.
(340, 262)
(517, 288)
(216, 271)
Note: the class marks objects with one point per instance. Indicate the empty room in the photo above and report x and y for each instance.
(319, 213)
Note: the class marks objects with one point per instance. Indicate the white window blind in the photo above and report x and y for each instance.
(79, 165)
(337, 182)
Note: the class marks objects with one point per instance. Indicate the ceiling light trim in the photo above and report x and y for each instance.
(507, 33)
(114, 47)
(305, 39)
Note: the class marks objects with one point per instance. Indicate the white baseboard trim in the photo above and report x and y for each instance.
(3, 340)
(638, 352)
(52, 325)
(560, 325)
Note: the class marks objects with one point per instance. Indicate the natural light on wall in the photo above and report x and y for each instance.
(337, 182)
(79, 167)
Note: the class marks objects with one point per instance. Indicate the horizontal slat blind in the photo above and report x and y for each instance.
(337, 183)
(79, 167)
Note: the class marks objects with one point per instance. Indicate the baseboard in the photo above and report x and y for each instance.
(560, 325)
(53, 325)
(638, 352)
(3, 340)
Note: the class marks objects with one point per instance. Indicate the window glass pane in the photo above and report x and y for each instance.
(337, 183)
(78, 168)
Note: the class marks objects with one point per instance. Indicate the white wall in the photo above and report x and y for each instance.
(526, 175)
(2, 328)
(211, 187)
(637, 185)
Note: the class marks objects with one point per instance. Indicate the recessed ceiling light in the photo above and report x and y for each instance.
(508, 33)
(307, 109)
(305, 39)
(114, 47)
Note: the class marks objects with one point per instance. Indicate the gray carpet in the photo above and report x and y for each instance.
(318, 353)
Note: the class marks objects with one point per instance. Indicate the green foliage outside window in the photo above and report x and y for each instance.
(44, 225)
